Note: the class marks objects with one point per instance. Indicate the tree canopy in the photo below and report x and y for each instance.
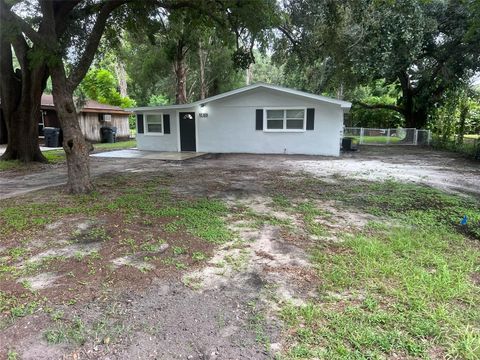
(402, 63)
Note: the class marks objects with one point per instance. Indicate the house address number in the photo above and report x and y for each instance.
(203, 115)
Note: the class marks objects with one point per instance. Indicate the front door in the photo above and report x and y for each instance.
(187, 131)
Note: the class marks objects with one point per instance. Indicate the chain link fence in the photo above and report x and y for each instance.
(398, 136)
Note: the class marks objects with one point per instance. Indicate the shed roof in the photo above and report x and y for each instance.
(90, 106)
(343, 104)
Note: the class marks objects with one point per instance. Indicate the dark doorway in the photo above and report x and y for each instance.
(187, 131)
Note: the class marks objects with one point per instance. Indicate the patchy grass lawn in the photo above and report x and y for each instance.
(393, 272)
(10, 165)
(122, 235)
(404, 286)
(378, 139)
(115, 146)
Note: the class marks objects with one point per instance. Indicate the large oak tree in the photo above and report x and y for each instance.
(423, 47)
(66, 38)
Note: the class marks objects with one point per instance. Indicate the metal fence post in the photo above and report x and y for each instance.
(361, 136)
(388, 136)
(415, 137)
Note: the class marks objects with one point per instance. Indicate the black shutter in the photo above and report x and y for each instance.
(140, 123)
(166, 124)
(259, 119)
(310, 118)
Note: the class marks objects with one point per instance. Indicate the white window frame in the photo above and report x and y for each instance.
(145, 125)
(265, 122)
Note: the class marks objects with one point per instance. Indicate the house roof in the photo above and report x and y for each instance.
(90, 106)
(343, 104)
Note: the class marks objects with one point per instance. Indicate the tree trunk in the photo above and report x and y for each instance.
(122, 77)
(415, 117)
(202, 55)
(74, 144)
(21, 93)
(22, 132)
(180, 68)
(249, 75)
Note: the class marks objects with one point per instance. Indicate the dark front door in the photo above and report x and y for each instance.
(187, 131)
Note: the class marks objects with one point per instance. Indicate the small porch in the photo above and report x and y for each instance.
(152, 155)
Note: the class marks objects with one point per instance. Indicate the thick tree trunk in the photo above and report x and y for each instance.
(21, 93)
(22, 132)
(415, 116)
(74, 144)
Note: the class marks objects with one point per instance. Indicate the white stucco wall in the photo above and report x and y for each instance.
(230, 127)
(165, 142)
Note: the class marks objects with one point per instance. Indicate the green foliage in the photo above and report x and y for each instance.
(101, 85)
(376, 93)
(158, 100)
(264, 70)
(422, 47)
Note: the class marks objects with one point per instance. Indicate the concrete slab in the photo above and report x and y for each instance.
(42, 148)
(153, 155)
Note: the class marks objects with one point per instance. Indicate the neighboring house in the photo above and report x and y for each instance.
(92, 116)
(258, 118)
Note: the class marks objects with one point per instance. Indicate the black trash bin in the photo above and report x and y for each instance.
(108, 134)
(52, 136)
(349, 144)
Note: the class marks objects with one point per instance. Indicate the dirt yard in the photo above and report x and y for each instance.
(219, 257)
(443, 170)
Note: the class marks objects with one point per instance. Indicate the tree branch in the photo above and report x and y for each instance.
(6, 14)
(62, 9)
(283, 29)
(80, 70)
(21, 48)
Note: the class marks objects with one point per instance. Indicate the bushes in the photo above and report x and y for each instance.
(469, 147)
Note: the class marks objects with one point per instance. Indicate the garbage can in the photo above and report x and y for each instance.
(349, 144)
(52, 136)
(108, 134)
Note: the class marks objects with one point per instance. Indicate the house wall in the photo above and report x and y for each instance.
(165, 142)
(230, 127)
(90, 125)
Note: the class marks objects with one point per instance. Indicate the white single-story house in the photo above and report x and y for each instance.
(259, 118)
